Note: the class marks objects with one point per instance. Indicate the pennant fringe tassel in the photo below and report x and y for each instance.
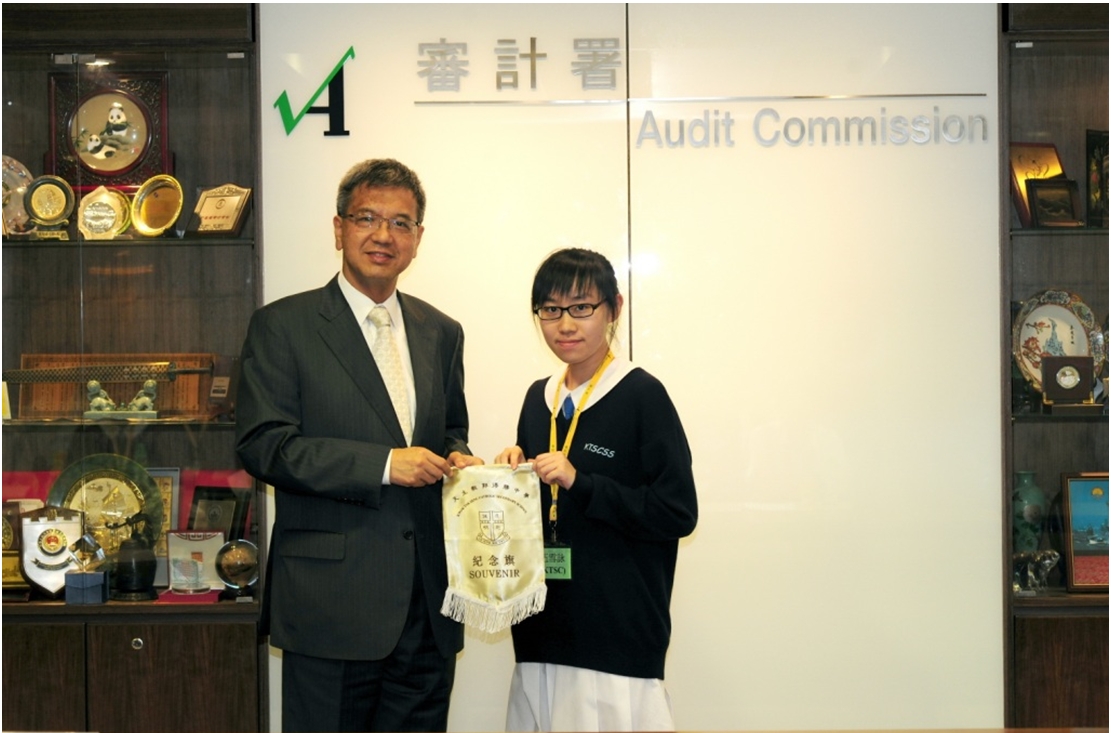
(490, 618)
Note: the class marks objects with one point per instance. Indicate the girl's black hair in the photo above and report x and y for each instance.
(574, 271)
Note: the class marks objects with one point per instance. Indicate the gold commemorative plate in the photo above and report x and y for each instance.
(157, 205)
(105, 213)
(109, 489)
(49, 201)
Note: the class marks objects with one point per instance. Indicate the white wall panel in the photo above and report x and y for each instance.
(825, 318)
(510, 177)
(824, 315)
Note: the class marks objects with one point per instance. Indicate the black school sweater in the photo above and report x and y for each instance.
(633, 498)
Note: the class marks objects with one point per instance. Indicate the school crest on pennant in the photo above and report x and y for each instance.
(492, 526)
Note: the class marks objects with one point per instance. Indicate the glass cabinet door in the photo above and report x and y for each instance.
(130, 273)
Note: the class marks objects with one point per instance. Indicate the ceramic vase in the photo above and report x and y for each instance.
(1029, 508)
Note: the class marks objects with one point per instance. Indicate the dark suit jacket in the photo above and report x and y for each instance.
(315, 421)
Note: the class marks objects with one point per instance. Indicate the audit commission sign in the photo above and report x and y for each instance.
(907, 123)
(718, 128)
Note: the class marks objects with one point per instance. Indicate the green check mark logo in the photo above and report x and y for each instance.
(289, 120)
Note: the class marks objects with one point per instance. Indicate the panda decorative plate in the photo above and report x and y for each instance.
(110, 131)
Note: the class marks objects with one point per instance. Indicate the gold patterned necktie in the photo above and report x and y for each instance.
(389, 364)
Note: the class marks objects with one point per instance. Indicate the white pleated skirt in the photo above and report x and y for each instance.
(552, 697)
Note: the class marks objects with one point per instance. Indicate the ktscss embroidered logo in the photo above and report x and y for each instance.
(604, 452)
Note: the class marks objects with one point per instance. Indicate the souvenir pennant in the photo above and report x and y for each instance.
(495, 546)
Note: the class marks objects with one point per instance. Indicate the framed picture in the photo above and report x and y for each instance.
(1068, 380)
(1095, 175)
(1054, 202)
(1084, 496)
(168, 481)
(220, 509)
(193, 561)
(108, 130)
(1031, 160)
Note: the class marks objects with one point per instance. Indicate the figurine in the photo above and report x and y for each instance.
(144, 398)
(99, 401)
(101, 406)
(1031, 571)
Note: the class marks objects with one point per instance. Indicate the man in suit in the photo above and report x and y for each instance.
(356, 571)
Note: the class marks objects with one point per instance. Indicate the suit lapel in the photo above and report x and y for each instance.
(343, 336)
(422, 337)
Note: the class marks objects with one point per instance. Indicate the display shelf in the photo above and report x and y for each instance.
(1063, 233)
(61, 423)
(57, 611)
(187, 78)
(200, 444)
(192, 297)
(11, 243)
(1034, 419)
(210, 112)
(1053, 89)
(1060, 602)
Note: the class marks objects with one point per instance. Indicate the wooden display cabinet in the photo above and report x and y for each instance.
(1053, 77)
(131, 670)
(81, 299)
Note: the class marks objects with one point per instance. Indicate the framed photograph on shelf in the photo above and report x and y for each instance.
(1095, 175)
(220, 509)
(108, 130)
(1054, 202)
(1084, 496)
(193, 561)
(168, 481)
(1029, 161)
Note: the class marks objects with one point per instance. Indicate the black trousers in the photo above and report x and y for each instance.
(409, 690)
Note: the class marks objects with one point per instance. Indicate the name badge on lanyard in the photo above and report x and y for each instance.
(557, 562)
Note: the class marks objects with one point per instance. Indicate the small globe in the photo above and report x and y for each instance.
(237, 564)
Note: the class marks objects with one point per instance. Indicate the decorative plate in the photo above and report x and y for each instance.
(104, 213)
(1054, 323)
(109, 489)
(157, 205)
(49, 201)
(110, 131)
(16, 180)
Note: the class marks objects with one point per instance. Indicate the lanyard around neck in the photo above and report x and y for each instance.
(553, 513)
